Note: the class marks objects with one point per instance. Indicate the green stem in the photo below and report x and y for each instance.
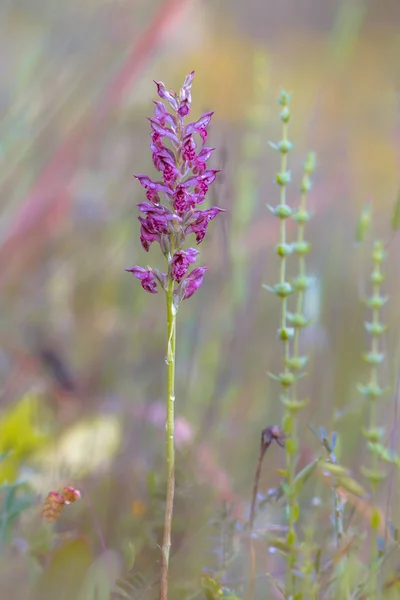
(374, 381)
(373, 391)
(288, 417)
(170, 440)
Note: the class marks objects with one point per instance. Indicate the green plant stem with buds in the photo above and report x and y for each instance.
(286, 334)
(290, 328)
(301, 248)
(373, 391)
(170, 439)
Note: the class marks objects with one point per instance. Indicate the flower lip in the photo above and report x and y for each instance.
(146, 277)
(192, 282)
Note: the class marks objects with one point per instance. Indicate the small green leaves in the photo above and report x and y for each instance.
(384, 454)
(284, 98)
(351, 485)
(302, 248)
(371, 391)
(296, 363)
(396, 214)
(283, 290)
(377, 277)
(373, 435)
(284, 146)
(297, 320)
(308, 169)
(305, 185)
(283, 545)
(375, 476)
(285, 379)
(291, 538)
(374, 358)
(285, 115)
(335, 469)
(375, 519)
(375, 328)
(363, 224)
(286, 333)
(302, 283)
(378, 253)
(303, 476)
(301, 216)
(294, 405)
(310, 163)
(213, 589)
(284, 249)
(291, 325)
(283, 178)
(283, 211)
(376, 301)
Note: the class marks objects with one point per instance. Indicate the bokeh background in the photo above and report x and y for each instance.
(82, 347)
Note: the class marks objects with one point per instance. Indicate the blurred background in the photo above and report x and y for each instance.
(82, 347)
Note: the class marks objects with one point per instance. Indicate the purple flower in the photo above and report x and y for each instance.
(183, 201)
(192, 282)
(146, 277)
(188, 150)
(154, 224)
(170, 97)
(181, 158)
(201, 220)
(153, 188)
(163, 116)
(184, 108)
(200, 126)
(201, 183)
(181, 261)
(161, 130)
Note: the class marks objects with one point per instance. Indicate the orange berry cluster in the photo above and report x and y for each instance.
(55, 502)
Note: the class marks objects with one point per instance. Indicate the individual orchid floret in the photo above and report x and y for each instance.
(192, 282)
(199, 224)
(181, 261)
(147, 277)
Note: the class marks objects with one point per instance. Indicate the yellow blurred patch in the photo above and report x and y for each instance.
(86, 448)
(22, 432)
(138, 508)
(224, 79)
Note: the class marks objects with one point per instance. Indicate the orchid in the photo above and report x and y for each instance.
(171, 214)
(173, 210)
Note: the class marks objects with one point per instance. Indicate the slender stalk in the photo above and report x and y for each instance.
(170, 440)
(287, 335)
(268, 435)
(373, 391)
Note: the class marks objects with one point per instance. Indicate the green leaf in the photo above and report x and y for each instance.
(334, 469)
(396, 214)
(303, 476)
(352, 486)
(385, 454)
(211, 588)
(152, 483)
(64, 577)
(363, 224)
(100, 577)
(130, 552)
(22, 431)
